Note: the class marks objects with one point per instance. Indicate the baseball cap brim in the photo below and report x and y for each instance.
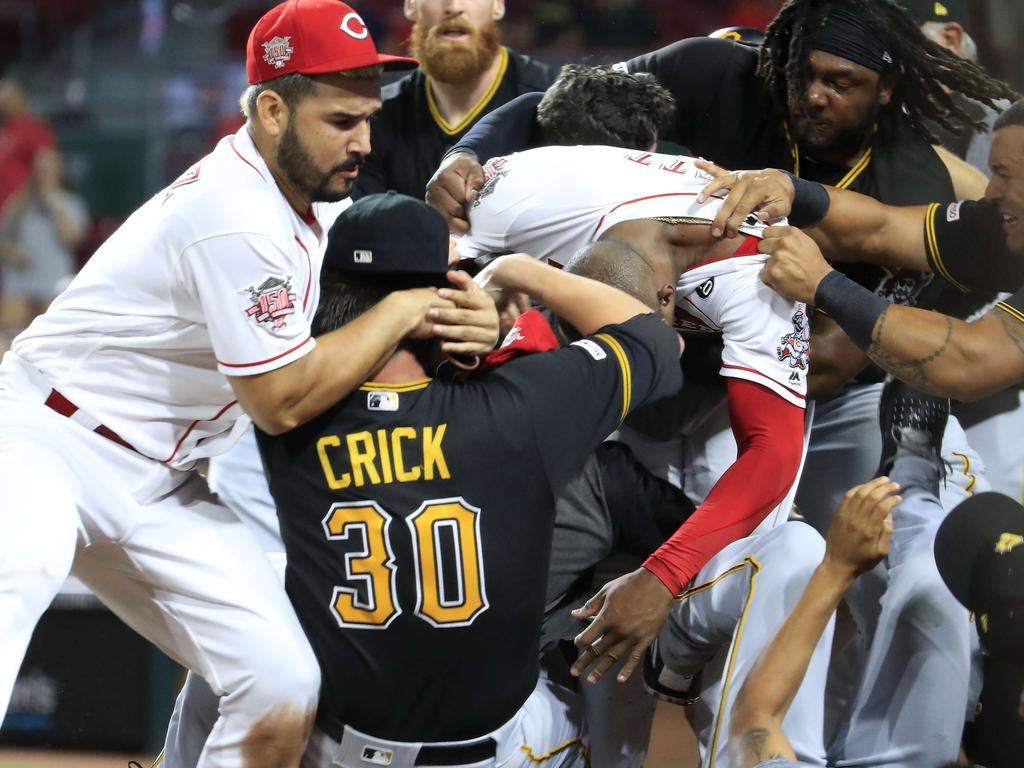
(390, 63)
(973, 525)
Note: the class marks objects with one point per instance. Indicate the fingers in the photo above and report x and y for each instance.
(445, 197)
(726, 212)
(474, 183)
(607, 659)
(465, 332)
(632, 660)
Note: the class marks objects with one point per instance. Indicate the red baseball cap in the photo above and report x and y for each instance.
(312, 37)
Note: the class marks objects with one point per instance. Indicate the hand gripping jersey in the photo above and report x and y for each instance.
(216, 275)
(417, 520)
(551, 201)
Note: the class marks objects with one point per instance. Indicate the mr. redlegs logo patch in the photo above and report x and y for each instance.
(272, 301)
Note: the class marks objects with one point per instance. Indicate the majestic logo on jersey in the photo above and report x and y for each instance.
(494, 171)
(1008, 542)
(704, 289)
(272, 301)
(278, 51)
(382, 401)
(377, 756)
(794, 347)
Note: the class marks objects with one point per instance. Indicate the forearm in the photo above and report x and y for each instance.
(342, 360)
(585, 304)
(769, 437)
(773, 682)
(859, 228)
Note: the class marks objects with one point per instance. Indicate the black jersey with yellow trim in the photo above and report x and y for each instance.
(417, 520)
(410, 136)
(966, 246)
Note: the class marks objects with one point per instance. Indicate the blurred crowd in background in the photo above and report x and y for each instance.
(103, 102)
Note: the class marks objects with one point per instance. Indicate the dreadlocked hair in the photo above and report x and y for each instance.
(923, 66)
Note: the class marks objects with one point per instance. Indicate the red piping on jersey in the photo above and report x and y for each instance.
(269, 359)
(759, 373)
(193, 426)
(309, 217)
(747, 248)
(231, 141)
(309, 274)
(640, 200)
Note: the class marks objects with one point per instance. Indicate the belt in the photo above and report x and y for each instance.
(57, 402)
(429, 754)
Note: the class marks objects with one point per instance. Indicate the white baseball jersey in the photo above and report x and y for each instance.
(551, 201)
(216, 275)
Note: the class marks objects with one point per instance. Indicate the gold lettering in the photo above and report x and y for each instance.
(361, 453)
(397, 435)
(433, 456)
(385, 456)
(333, 482)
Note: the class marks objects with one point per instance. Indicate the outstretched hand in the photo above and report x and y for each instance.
(628, 614)
(859, 536)
(768, 194)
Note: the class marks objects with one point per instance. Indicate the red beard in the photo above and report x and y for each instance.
(455, 61)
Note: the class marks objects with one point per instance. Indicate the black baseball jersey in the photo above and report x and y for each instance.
(417, 520)
(966, 245)
(723, 113)
(409, 135)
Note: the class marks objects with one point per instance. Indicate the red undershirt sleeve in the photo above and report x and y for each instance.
(769, 435)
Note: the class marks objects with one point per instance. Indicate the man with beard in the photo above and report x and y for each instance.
(840, 92)
(192, 319)
(464, 73)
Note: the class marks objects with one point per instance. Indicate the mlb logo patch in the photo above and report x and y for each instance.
(362, 257)
(377, 756)
(382, 401)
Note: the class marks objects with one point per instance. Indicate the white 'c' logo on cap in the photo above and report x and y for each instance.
(360, 32)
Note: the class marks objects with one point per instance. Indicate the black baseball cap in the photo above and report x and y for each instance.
(979, 550)
(389, 235)
(749, 36)
(936, 10)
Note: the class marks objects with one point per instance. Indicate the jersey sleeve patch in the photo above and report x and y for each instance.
(270, 303)
(593, 349)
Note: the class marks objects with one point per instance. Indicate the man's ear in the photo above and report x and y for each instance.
(272, 113)
(667, 295)
(953, 37)
(409, 9)
(497, 9)
(886, 85)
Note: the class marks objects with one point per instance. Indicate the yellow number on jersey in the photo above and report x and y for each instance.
(373, 566)
(438, 603)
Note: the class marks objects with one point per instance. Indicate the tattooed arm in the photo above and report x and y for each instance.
(932, 352)
(938, 354)
(857, 539)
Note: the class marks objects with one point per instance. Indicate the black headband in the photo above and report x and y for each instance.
(847, 35)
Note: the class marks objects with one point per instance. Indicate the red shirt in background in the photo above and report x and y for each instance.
(21, 137)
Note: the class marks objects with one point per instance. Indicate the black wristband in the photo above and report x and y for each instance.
(810, 202)
(852, 306)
